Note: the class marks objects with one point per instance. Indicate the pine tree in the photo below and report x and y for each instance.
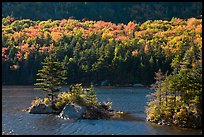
(92, 96)
(52, 77)
(159, 77)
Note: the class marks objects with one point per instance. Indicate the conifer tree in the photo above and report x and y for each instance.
(159, 77)
(51, 77)
(92, 96)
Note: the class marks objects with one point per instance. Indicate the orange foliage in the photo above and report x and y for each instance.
(142, 33)
(4, 56)
(56, 36)
(135, 53)
(62, 22)
(177, 22)
(16, 35)
(32, 33)
(146, 49)
(131, 26)
(24, 47)
(121, 38)
(192, 22)
(43, 49)
(172, 34)
(102, 24)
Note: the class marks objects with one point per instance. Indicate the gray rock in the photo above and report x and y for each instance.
(72, 111)
(93, 112)
(106, 105)
(169, 124)
(41, 109)
(159, 123)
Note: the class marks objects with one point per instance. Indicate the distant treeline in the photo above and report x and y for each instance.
(117, 12)
(94, 51)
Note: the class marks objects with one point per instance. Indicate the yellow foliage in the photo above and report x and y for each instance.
(46, 101)
(36, 101)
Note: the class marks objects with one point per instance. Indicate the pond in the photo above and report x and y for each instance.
(132, 100)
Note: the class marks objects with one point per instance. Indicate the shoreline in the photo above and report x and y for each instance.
(115, 87)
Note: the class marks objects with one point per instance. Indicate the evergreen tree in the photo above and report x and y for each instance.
(92, 96)
(52, 77)
(159, 77)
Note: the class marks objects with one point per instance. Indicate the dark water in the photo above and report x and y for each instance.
(133, 100)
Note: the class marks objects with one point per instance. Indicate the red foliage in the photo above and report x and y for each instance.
(4, 49)
(102, 24)
(32, 48)
(11, 19)
(19, 56)
(4, 56)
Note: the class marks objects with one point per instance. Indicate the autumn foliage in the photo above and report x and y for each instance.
(123, 53)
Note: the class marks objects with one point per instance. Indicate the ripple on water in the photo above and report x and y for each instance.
(124, 99)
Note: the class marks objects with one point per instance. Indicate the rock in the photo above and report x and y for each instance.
(106, 105)
(163, 122)
(41, 109)
(93, 112)
(159, 123)
(72, 111)
(168, 124)
(7, 133)
(75, 111)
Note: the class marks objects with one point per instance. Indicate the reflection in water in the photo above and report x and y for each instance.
(17, 98)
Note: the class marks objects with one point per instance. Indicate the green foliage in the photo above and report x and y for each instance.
(82, 95)
(131, 55)
(77, 94)
(52, 76)
(178, 97)
(92, 99)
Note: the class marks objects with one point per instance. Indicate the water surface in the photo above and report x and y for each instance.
(132, 100)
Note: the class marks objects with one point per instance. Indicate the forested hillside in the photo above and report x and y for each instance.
(94, 51)
(117, 12)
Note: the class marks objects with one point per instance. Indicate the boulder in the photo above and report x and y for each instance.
(93, 112)
(75, 111)
(72, 111)
(41, 109)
